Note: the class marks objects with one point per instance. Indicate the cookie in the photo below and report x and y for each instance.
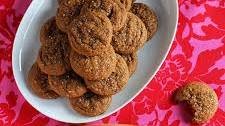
(53, 59)
(91, 104)
(131, 37)
(38, 82)
(90, 34)
(68, 85)
(66, 12)
(132, 61)
(148, 16)
(201, 98)
(113, 9)
(114, 83)
(49, 31)
(127, 4)
(96, 67)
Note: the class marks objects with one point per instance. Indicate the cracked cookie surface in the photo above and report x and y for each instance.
(90, 34)
(113, 9)
(148, 16)
(38, 82)
(66, 12)
(91, 104)
(49, 31)
(95, 67)
(131, 37)
(114, 83)
(53, 59)
(68, 85)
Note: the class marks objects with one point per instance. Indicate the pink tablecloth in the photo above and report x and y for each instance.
(198, 53)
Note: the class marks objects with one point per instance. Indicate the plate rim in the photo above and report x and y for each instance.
(26, 15)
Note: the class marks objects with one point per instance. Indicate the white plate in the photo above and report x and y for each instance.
(26, 46)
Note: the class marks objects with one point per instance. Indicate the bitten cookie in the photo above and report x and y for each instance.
(114, 83)
(148, 16)
(90, 34)
(202, 100)
(67, 11)
(131, 37)
(132, 61)
(91, 104)
(68, 85)
(95, 67)
(38, 82)
(113, 9)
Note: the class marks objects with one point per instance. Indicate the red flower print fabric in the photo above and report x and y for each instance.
(198, 53)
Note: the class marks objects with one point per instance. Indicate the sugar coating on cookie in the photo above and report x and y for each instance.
(131, 37)
(91, 104)
(132, 61)
(55, 46)
(95, 67)
(49, 31)
(201, 98)
(113, 9)
(38, 82)
(52, 59)
(69, 85)
(90, 34)
(114, 83)
(66, 12)
(148, 16)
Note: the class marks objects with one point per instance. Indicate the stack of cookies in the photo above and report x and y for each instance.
(89, 51)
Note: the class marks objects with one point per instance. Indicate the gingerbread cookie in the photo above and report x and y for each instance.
(68, 85)
(201, 98)
(67, 11)
(91, 104)
(132, 61)
(96, 67)
(52, 59)
(38, 82)
(113, 9)
(148, 16)
(131, 37)
(90, 34)
(114, 83)
(49, 31)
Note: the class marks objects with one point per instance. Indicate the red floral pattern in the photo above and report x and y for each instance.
(198, 53)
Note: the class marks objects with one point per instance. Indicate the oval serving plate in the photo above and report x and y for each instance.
(151, 57)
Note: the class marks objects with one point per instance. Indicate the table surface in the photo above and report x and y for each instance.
(198, 53)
